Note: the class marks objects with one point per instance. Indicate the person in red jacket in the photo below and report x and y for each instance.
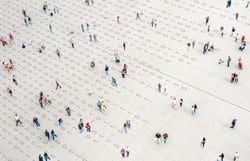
(88, 127)
(242, 38)
(125, 68)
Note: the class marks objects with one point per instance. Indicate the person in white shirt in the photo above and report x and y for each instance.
(236, 156)
(17, 120)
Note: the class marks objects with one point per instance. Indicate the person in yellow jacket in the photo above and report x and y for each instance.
(103, 106)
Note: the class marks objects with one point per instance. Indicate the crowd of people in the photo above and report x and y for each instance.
(45, 100)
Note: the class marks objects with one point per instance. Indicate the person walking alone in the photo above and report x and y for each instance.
(247, 4)
(228, 61)
(113, 81)
(58, 53)
(50, 28)
(14, 79)
(35, 120)
(206, 20)
(181, 102)
(236, 156)
(72, 43)
(233, 123)
(17, 120)
(82, 26)
(203, 142)
(58, 85)
(106, 70)
(124, 46)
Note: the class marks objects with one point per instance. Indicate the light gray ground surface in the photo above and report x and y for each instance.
(153, 55)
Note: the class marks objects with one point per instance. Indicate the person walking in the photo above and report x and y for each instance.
(87, 26)
(106, 70)
(188, 45)
(123, 73)
(127, 151)
(194, 109)
(103, 106)
(222, 31)
(233, 31)
(58, 85)
(25, 21)
(174, 103)
(68, 111)
(203, 142)
(58, 53)
(14, 79)
(222, 156)
(90, 38)
(9, 91)
(113, 82)
(45, 7)
(35, 120)
(233, 123)
(157, 137)
(50, 28)
(46, 156)
(24, 13)
(193, 44)
(99, 106)
(11, 37)
(208, 28)
(165, 137)
(229, 2)
(128, 122)
(60, 121)
(125, 127)
(181, 102)
(49, 99)
(247, 4)
(17, 120)
(88, 127)
(47, 134)
(82, 26)
(53, 134)
(80, 125)
(40, 158)
(123, 152)
(124, 45)
(72, 43)
(92, 64)
(228, 61)
(118, 19)
(159, 87)
(236, 156)
(94, 37)
(29, 20)
(152, 22)
(41, 102)
(137, 16)
(243, 38)
(206, 20)
(125, 67)
(236, 16)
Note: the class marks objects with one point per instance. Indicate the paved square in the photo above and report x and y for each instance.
(161, 42)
